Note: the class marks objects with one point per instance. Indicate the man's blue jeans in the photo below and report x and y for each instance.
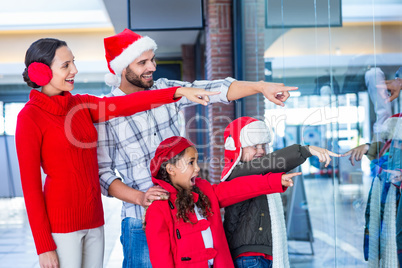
(135, 247)
(252, 262)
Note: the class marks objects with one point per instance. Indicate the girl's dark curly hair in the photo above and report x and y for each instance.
(185, 201)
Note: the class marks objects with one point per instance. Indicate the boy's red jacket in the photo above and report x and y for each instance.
(174, 243)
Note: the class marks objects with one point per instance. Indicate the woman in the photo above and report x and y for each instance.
(55, 131)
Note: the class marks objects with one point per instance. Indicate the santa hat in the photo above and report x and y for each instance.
(121, 50)
(392, 128)
(242, 132)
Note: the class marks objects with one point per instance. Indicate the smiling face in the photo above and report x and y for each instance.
(185, 170)
(139, 72)
(252, 152)
(63, 70)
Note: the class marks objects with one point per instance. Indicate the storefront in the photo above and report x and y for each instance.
(338, 53)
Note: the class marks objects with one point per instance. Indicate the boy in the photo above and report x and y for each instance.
(255, 228)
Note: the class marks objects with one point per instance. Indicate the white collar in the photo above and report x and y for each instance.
(118, 92)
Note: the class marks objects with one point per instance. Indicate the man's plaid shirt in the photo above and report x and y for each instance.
(127, 144)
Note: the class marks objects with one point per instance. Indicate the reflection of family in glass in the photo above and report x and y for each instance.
(131, 141)
(383, 228)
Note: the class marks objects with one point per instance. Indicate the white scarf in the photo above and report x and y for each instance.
(389, 257)
(278, 229)
(374, 225)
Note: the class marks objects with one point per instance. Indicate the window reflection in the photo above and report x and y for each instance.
(1, 118)
(10, 115)
(342, 104)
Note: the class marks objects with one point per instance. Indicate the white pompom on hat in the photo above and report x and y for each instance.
(242, 132)
(392, 128)
(121, 50)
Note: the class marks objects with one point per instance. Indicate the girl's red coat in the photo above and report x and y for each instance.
(174, 243)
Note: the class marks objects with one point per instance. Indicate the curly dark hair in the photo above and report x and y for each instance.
(42, 50)
(185, 202)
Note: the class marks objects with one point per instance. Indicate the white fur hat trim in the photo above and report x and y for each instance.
(254, 133)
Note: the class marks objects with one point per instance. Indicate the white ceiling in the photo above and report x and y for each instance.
(52, 14)
(61, 14)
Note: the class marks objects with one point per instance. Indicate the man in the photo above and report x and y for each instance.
(377, 87)
(128, 144)
(394, 86)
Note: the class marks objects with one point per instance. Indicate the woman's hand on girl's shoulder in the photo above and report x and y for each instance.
(152, 194)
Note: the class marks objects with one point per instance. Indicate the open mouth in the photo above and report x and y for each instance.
(147, 77)
(71, 81)
(193, 180)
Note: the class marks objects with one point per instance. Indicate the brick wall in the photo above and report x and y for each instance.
(219, 65)
(188, 59)
(195, 116)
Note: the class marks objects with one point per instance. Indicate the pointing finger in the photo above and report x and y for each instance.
(334, 154)
(212, 93)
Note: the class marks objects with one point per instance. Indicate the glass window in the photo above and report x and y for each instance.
(342, 66)
(11, 113)
(1, 118)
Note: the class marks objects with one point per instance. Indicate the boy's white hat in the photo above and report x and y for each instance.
(392, 128)
(242, 132)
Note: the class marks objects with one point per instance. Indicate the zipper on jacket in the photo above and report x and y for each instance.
(170, 204)
(178, 234)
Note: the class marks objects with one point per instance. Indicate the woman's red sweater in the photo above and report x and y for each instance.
(57, 134)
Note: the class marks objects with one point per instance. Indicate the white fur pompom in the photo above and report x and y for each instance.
(112, 80)
(391, 129)
(230, 144)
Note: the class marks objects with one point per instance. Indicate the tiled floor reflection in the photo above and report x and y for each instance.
(333, 247)
(17, 248)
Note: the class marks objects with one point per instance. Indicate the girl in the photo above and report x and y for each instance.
(55, 131)
(186, 230)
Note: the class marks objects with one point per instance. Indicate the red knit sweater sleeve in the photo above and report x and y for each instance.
(246, 187)
(103, 109)
(28, 139)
